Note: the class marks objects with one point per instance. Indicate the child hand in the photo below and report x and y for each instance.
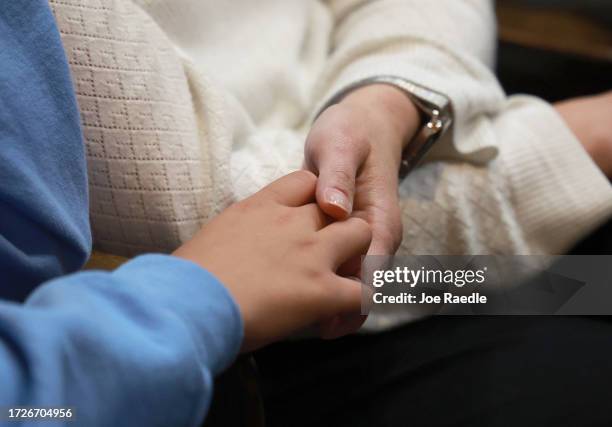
(277, 254)
(355, 147)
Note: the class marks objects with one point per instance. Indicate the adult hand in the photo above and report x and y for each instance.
(278, 254)
(355, 147)
(590, 118)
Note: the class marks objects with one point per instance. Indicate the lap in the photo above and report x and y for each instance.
(496, 371)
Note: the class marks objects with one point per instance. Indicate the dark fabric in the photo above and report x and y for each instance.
(599, 242)
(493, 371)
(545, 73)
(449, 371)
(551, 75)
(237, 399)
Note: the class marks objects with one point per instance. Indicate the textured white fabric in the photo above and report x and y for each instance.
(188, 105)
(152, 183)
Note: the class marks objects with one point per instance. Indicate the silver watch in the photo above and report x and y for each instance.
(435, 110)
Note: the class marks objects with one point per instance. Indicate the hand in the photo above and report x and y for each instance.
(590, 118)
(277, 255)
(355, 147)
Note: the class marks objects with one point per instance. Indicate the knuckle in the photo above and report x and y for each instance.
(348, 143)
(307, 244)
(342, 178)
(284, 217)
(317, 281)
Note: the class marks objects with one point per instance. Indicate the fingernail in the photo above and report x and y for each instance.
(338, 198)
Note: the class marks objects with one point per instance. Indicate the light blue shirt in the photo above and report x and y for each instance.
(134, 347)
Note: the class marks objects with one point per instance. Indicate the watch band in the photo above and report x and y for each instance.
(435, 108)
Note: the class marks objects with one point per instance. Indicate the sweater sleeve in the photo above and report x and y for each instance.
(539, 196)
(44, 222)
(446, 45)
(137, 346)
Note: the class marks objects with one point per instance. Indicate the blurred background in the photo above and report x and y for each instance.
(555, 49)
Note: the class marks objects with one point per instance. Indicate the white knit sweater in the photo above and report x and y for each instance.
(188, 105)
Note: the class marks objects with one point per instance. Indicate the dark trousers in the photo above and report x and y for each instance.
(449, 371)
(443, 371)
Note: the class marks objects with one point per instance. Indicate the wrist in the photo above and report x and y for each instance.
(392, 105)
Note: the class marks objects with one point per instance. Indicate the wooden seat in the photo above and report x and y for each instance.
(103, 261)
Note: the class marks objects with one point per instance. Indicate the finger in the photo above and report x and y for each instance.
(387, 229)
(336, 192)
(345, 297)
(315, 217)
(384, 241)
(348, 309)
(352, 267)
(295, 189)
(341, 325)
(345, 239)
(336, 186)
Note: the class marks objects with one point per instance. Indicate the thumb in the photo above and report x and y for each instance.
(336, 187)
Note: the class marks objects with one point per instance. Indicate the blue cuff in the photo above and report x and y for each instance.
(198, 297)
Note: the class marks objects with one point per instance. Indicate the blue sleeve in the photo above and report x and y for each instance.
(138, 346)
(135, 347)
(44, 224)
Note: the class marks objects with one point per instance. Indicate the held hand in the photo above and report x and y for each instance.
(355, 148)
(277, 254)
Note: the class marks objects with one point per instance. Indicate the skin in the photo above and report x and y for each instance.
(293, 278)
(590, 119)
(278, 253)
(355, 148)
